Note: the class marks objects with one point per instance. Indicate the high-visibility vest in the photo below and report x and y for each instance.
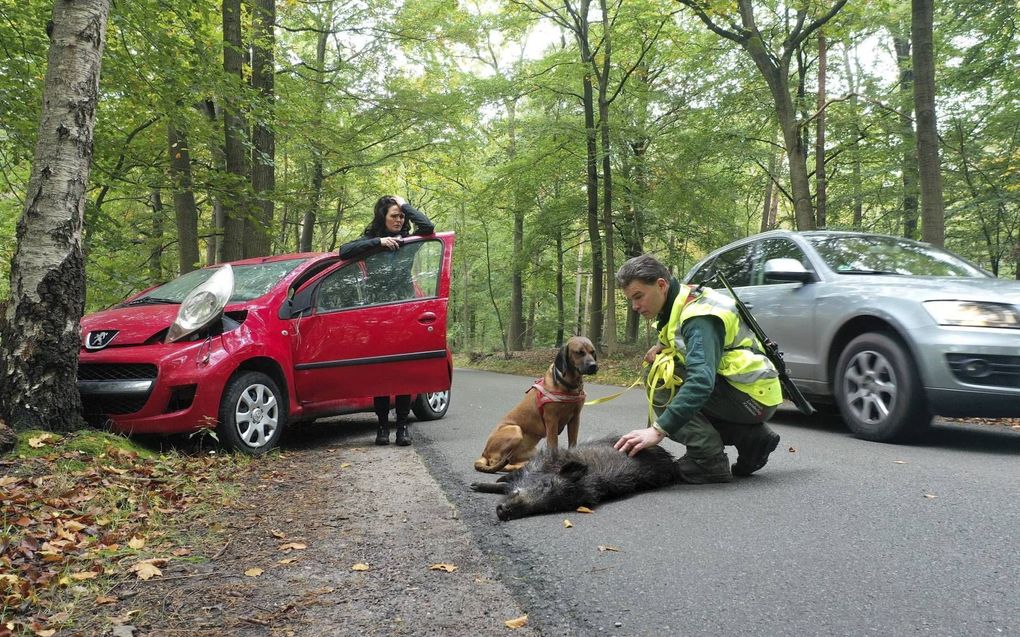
(743, 364)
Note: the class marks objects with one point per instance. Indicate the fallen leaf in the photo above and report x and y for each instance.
(359, 567)
(40, 441)
(84, 575)
(136, 543)
(127, 630)
(297, 546)
(449, 568)
(900, 462)
(277, 534)
(145, 570)
(181, 552)
(930, 496)
(606, 547)
(520, 622)
(345, 465)
(49, 632)
(288, 560)
(105, 599)
(567, 524)
(254, 572)
(792, 450)
(584, 510)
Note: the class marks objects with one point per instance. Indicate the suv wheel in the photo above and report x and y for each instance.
(252, 413)
(878, 390)
(432, 405)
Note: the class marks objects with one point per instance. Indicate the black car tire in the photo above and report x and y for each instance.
(431, 405)
(252, 396)
(878, 390)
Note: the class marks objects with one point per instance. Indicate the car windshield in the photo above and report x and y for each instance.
(871, 254)
(250, 282)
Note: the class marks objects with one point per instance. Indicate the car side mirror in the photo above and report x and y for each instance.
(787, 270)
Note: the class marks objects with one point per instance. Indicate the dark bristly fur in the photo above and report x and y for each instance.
(585, 475)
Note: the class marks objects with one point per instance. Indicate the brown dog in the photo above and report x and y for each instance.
(552, 403)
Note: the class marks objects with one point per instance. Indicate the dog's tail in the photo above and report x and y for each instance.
(482, 465)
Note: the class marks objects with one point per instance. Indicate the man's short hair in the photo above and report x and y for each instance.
(644, 268)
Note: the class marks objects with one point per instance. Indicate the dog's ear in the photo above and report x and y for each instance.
(563, 360)
(573, 470)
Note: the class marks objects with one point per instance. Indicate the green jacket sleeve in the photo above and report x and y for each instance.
(704, 338)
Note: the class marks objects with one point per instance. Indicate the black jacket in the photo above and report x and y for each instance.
(370, 240)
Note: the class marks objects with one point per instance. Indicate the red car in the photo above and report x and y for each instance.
(252, 346)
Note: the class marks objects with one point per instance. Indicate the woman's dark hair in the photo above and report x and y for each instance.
(378, 226)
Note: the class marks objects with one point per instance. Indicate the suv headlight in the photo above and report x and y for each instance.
(973, 314)
(203, 305)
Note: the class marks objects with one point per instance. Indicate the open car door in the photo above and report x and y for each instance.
(376, 326)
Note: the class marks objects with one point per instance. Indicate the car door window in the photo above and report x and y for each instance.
(777, 249)
(412, 272)
(736, 265)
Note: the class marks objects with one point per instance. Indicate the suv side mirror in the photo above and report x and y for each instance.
(787, 270)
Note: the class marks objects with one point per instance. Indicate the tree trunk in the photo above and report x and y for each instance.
(185, 210)
(857, 207)
(156, 238)
(933, 216)
(39, 327)
(767, 220)
(517, 259)
(234, 129)
(214, 244)
(609, 315)
(560, 314)
(312, 211)
(263, 171)
(908, 142)
(592, 188)
(820, 200)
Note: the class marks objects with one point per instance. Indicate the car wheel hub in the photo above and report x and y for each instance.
(870, 387)
(256, 416)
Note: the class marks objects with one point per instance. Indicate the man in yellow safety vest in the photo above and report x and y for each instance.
(709, 383)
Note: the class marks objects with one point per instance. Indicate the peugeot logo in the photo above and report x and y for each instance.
(98, 340)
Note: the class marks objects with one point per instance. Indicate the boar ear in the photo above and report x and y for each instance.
(574, 470)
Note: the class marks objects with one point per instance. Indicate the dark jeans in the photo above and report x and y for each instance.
(382, 407)
(726, 405)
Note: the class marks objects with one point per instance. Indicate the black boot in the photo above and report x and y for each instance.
(403, 435)
(382, 437)
(754, 443)
(705, 470)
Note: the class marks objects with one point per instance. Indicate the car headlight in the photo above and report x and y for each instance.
(203, 305)
(973, 314)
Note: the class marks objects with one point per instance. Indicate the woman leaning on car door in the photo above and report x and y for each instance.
(391, 222)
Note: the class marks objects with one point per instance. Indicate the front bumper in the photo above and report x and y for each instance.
(160, 388)
(970, 371)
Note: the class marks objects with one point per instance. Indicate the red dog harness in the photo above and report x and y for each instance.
(544, 396)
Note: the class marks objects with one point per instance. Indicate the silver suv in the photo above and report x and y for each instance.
(892, 331)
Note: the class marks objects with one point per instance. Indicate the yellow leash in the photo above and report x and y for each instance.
(660, 376)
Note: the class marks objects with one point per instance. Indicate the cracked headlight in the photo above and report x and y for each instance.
(973, 314)
(203, 305)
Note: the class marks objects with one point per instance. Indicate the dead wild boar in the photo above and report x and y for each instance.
(585, 475)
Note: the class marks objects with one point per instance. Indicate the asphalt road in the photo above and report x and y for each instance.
(836, 536)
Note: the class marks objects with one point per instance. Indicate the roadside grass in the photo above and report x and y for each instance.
(621, 368)
(85, 512)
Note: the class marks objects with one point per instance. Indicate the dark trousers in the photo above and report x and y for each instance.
(726, 410)
(382, 407)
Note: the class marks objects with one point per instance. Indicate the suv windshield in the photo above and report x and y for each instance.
(869, 254)
(250, 282)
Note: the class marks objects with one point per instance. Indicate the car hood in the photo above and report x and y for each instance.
(133, 325)
(935, 288)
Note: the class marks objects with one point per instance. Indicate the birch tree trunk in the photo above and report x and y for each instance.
(39, 325)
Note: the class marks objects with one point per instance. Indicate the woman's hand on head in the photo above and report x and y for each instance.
(400, 200)
(390, 243)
